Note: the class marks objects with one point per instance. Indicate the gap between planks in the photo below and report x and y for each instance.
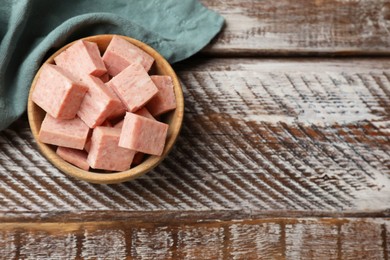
(182, 216)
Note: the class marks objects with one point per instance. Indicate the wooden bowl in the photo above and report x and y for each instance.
(173, 118)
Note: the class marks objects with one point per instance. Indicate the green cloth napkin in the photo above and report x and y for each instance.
(33, 29)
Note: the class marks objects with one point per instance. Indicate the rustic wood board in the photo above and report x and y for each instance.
(305, 137)
(277, 159)
(302, 27)
(273, 238)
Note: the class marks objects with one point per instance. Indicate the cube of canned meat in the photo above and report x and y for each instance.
(71, 133)
(138, 157)
(82, 58)
(165, 99)
(142, 134)
(105, 154)
(98, 104)
(133, 86)
(121, 53)
(57, 92)
(73, 156)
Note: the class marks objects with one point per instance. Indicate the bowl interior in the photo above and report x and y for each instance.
(173, 118)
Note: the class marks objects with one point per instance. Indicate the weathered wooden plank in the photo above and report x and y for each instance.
(386, 240)
(110, 243)
(152, 242)
(44, 245)
(302, 27)
(200, 242)
(363, 245)
(8, 244)
(258, 136)
(311, 241)
(268, 238)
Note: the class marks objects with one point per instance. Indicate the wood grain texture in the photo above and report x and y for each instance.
(268, 238)
(307, 137)
(277, 159)
(302, 27)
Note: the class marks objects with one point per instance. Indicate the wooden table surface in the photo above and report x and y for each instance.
(284, 152)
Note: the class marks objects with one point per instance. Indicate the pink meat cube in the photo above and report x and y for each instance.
(121, 53)
(105, 153)
(58, 93)
(143, 134)
(70, 133)
(165, 99)
(138, 157)
(133, 86)
(73, 156)
(82, 58)
(99, 102)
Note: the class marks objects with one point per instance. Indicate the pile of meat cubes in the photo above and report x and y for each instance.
(101, 110)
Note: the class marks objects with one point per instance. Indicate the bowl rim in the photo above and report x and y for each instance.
(114, 177)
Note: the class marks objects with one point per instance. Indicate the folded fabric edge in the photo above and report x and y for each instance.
(206, 25)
